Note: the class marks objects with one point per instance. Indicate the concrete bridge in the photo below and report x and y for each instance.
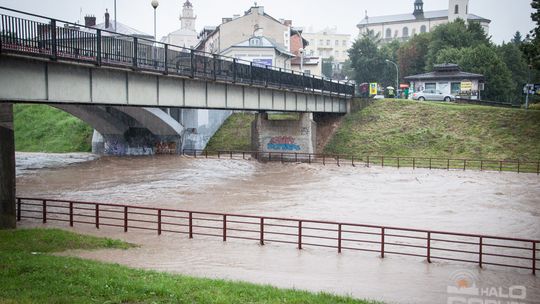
(130, 90)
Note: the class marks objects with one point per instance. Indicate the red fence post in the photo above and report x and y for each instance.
(159, 221)
(382, 161)
(71, 214)
(44, 211)
(352, 161)
(382, 242)
(368, 161)
(191, 225)
(519, 166)
(398, 162)
(19, 210)
(299, 234)
(97, 216)
(534, 258)
(481, 165)
(480, 252)
(224, 228)
(125, 218)
(339, 238)
(414, 163)
(448, 165)
(430, 164)
(261, 236)
(337, 160)
(464, 164)
(429, 247)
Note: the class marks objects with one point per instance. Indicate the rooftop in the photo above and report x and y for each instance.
(445, 71)
(440, 14)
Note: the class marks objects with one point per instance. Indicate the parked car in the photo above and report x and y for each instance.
(433, 95)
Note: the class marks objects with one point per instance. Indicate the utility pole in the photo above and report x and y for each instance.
(115, 28)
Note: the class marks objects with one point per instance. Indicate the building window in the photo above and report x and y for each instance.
(337, 43)
(431, 86)
(405, 32)
(321, 42)
(388, 33)
(456, 9)
(423, 29)
(455, 88)
(256, 41)
(328, 42)
(344, 42)
(466, 9)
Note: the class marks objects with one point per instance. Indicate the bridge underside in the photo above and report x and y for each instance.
(30, 80)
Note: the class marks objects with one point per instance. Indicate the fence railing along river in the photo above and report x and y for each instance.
(432, 245)
(414, 162)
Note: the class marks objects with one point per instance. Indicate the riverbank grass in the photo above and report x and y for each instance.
(30, 274)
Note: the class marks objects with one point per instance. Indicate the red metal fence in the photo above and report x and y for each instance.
(431, 245)
(518, 166)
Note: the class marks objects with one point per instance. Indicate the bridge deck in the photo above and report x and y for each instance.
(39, 37)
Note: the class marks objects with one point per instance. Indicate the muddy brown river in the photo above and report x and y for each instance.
(502, 204)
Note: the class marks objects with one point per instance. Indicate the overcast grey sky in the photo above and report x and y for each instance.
(507, 16)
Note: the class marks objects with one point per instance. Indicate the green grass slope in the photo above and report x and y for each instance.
(40, 128)
(411, 128)
(234, 134)
(28, 274)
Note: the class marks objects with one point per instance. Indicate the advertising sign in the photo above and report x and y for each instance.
(373, 88)
(466, 86)
(262, 62)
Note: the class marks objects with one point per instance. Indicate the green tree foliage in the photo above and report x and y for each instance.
(483, 59)
(412, 55)
(517, 39)
(457, 35)
(327, 67)
(512, 56)
(532, 47)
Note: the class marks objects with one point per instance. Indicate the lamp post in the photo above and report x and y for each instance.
(301, 51)
(155, 4)
(397, 73)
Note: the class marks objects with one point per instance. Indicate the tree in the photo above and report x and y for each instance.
(327, 67)
(483, 59)
(457, 35)
(514, 59)
(517, 39)
(365, 58)
(411, 56)
(531, 47)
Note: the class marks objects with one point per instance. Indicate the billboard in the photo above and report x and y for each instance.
(262, 62)
(373, 88)
(466, 86)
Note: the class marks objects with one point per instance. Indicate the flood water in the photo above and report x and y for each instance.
(502, 204)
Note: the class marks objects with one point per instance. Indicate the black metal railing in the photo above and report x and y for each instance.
(35, 35)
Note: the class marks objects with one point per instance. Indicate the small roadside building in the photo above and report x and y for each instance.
(449, 79)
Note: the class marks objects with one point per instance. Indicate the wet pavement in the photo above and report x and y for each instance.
(503, 204)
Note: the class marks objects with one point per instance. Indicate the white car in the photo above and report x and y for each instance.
(433, 95)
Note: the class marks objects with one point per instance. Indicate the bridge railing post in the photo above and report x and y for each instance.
(166, 59)
(251, 73)
(234, 70)
(98, 47)
(54, 46)
(214, 59)
(192, 63)
(135, 52)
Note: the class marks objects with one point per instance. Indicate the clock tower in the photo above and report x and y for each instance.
(187, 18)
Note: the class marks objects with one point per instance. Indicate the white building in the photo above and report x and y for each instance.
(402, 27)
(186, 36)
(328, 43)
(260, 50)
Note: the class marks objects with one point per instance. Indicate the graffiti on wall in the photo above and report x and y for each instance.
(165, 148)
(117, 148)
(283, 143)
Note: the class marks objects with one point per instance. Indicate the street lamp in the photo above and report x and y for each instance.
(301, 51)
(397, 73)
(155, 4)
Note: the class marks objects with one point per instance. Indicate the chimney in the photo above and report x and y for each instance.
(107, 19)
(90, 21)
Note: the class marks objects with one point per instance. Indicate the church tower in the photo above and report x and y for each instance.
(418, 9)
(458, 9)
(187, 18)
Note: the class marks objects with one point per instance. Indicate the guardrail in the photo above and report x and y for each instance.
(431, 163)
(429, 244)
(55, 39)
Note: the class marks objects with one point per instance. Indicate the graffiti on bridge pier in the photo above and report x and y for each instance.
(283, 143)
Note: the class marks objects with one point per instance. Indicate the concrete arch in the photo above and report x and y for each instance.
(97, 117)
(154, 119)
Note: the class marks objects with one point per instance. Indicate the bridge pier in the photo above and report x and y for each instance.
(290, 137)
(7, 168)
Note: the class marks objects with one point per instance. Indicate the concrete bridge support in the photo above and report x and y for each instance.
(7, 168)
(284, 136)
